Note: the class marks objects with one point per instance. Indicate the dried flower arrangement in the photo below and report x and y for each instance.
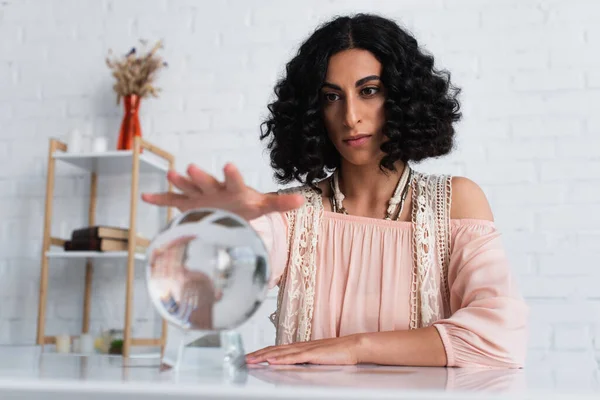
(135, 74)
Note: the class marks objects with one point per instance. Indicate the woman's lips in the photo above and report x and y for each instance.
(358, 141)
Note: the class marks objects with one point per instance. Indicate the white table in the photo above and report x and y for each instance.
(27, 373)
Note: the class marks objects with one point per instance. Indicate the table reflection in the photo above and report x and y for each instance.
(383, 377)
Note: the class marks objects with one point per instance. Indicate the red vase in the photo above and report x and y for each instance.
(130, 127)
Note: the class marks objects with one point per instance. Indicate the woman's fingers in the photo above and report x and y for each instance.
(277, 354)
(205, 182)
(183, 183)
(168, 199)
(274, 351)
(260, 353)
(234, 182)
(299, 357)
(283, 202)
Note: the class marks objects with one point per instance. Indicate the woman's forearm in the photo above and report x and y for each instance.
(418, 347)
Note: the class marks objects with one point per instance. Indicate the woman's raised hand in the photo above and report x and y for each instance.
(199, 189)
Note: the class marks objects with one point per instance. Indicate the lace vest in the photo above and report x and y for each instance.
(429, 297)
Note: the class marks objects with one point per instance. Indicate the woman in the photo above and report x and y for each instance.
(376, 263)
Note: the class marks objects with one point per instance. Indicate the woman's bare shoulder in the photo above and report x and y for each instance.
(469, 201)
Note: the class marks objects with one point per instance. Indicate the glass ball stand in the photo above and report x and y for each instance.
(179, 355)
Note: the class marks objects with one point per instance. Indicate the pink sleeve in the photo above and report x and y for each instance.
(488, 322)
(272, 228)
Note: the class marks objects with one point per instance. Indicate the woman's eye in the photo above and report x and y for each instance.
(370, 91)
(331, 97)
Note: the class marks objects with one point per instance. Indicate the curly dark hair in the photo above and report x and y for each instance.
(421, 105)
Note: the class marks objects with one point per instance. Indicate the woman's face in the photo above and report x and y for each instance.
(353, 105)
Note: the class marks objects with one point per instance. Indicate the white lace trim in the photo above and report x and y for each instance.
(443, 201)
(431, 237)
(297, 287)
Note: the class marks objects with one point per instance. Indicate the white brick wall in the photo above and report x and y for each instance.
(529, 72)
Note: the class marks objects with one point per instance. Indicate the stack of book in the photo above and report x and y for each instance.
(102, 238)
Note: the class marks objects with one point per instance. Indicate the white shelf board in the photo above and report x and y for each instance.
(92, 254)
(113, 162)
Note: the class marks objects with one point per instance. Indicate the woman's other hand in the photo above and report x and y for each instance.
(334, 351)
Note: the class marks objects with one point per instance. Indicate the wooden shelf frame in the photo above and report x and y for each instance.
(55, 148)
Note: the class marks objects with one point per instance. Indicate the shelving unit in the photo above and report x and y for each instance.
(136, 162)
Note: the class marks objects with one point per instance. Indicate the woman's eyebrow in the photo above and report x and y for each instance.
(366, 79)
(331, 85)
(359, 82)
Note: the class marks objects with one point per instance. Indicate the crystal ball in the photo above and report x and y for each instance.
(207, 270)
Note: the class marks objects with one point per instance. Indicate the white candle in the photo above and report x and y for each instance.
(63, 344)
(74, 144)
(100, 144)
(86, 343)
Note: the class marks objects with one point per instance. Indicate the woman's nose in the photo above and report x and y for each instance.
(351, 117)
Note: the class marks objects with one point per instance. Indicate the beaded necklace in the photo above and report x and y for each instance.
(398, 197)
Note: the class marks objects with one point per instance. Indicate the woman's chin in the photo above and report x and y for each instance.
(364, 155)
(364, 159)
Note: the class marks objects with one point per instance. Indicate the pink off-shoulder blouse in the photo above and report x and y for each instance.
(363, 276)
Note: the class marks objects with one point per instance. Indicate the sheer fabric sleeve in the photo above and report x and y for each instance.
(272, 229)
(488, 322)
